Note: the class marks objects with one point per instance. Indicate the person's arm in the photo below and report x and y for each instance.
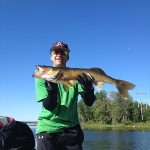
(50, 101)
(87, 95)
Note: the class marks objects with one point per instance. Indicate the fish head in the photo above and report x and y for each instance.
(47, 73)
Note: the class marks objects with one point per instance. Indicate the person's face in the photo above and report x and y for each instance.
(59, 57)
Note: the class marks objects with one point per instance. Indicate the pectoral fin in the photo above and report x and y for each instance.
(98, 85)
(71, 82)
(66, 88)
(67, 85)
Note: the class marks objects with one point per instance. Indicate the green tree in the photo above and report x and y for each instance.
(85, 112)
(136, 112)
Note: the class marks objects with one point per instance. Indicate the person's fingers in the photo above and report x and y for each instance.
(80, 79)
(85, 78)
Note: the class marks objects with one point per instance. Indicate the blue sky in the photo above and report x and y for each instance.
(112, 35)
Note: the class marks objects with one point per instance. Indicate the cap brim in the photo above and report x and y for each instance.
(54, 48)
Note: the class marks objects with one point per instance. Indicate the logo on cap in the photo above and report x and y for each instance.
(59, 44)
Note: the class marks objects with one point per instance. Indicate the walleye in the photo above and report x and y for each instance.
(68, 76)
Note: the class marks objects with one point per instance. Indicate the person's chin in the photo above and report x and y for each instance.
(59, 63)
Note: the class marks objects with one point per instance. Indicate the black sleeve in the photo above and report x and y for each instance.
(88, 97)
(50, 102)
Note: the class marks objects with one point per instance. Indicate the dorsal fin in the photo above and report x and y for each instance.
(98, 70)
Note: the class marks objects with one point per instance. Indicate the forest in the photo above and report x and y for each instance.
(113, 109)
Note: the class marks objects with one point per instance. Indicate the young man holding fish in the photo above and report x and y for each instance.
(58, 125)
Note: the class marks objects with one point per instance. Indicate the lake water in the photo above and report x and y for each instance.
(115, 139)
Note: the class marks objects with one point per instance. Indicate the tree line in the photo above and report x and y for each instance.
(113, 109)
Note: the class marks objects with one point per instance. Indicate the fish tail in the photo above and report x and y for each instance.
(123, 87)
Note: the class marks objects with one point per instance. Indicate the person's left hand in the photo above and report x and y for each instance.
(51, 87)
(86, 81)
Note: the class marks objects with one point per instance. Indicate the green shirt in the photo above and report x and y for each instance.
(65, 114)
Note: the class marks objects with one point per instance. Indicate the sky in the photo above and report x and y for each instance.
(111, 35)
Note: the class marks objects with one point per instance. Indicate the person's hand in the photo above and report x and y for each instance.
(51, 87)
(86, 81)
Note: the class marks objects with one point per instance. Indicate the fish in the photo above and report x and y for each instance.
(68, 76)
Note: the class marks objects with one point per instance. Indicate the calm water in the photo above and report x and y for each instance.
(115, 139)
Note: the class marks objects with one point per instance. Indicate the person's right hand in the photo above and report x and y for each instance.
(51, 87)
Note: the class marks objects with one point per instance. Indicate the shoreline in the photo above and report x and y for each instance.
(139, 125)
(88, 125)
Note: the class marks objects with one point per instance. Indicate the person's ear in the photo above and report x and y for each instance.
(50, 57)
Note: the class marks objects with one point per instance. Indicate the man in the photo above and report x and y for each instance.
(58, 126)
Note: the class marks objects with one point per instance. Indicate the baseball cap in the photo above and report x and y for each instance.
(59, 45)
